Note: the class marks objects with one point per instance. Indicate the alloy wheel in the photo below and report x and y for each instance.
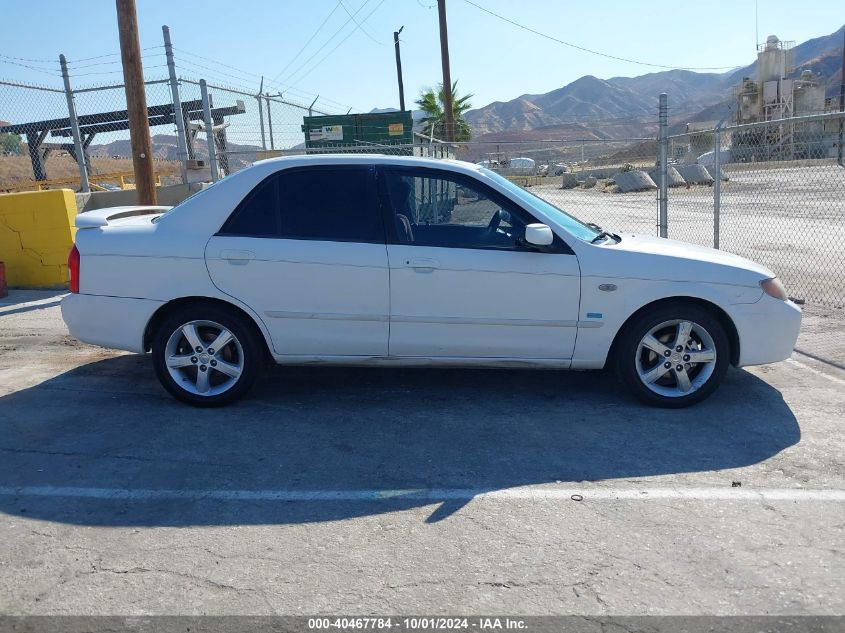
(676, 358)
(204, 358)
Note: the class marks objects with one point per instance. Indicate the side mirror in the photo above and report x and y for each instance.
(539, 235)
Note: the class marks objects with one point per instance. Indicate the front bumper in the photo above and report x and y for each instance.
(115, 322)
(768, 330)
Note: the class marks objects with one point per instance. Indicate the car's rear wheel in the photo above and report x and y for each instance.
(673, 356)
(206, 356)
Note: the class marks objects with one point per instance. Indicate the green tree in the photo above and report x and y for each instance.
(432, 105)
(10, 144)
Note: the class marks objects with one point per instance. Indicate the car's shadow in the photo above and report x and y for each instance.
(108, 425)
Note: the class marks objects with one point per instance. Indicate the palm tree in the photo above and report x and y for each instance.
(435, 117)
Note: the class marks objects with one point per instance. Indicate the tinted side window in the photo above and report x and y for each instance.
(258, 214)
(332, 204)
(436, 209)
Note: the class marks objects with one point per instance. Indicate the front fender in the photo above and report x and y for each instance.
(604, 312)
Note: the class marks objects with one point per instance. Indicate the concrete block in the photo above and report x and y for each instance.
(46, 240)
(36, 235)
(629, 181)
(695, 175)
(569, 181)
(18, 220)
(712, 171)
(55, 258)
(674, 178)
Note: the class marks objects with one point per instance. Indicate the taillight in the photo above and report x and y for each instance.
(73, 268)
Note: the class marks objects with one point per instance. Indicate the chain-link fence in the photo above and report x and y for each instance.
(773, 192)
(38, 143)
(38, 147)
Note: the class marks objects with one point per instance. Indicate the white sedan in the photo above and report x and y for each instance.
(379, 260)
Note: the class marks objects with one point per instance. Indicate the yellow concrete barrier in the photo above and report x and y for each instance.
(36, 235)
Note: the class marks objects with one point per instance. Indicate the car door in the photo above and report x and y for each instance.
(306, 250)
(462, 282)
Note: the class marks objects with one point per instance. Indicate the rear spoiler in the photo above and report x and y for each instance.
(101, 217)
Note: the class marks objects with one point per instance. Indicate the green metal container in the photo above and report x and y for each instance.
(358, 130)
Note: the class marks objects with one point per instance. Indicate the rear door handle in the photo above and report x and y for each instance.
(237, 258)
(422, 264)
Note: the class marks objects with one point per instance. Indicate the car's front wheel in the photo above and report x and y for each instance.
(673, 356)
(206, 356)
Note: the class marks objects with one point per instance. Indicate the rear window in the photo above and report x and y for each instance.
(257, 215)
(329, 204)
(321, 203)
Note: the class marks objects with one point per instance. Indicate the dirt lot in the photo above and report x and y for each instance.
(433, 491)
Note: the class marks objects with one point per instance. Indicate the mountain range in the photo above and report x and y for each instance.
(622, 106)
(589, 107)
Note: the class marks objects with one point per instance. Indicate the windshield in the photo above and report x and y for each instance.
(572, 224)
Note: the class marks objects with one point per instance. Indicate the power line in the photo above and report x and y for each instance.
(192, 65)
(112, 63)
(218, 75)
(213, 73)
(214, 61)
(38, 70)
(339, 44)
(29, 59)
(115, 72)
(310, 39)
(593, 52)
(359, 24)
(326, 43)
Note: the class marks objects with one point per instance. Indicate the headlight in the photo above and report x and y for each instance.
(774, 288)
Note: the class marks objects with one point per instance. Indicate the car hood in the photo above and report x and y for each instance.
(651, 257)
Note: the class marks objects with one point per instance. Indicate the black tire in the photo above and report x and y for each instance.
(628, 354)
(245, 351)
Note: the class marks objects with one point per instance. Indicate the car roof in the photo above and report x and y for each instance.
(369, 159)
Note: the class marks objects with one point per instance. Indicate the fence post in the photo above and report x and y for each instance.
(181, 137)
(270, 122)
(209, 130)
(663, 167)
(78, 147)
(717, 183)
(261, 113)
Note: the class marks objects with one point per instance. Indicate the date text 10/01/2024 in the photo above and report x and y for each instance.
(415, 623)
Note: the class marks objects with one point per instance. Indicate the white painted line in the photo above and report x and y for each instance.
(6, 306)
(813, 370)
(433, 495)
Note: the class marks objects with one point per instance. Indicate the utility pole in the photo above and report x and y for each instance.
(399, 68)
(447, 75)
(136, 101)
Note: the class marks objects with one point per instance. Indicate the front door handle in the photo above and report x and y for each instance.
(237, 258)
(422, 264)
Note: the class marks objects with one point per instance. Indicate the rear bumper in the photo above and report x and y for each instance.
(115, 322)
(767, 330)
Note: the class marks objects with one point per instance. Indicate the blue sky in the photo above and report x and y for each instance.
(355, 68)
